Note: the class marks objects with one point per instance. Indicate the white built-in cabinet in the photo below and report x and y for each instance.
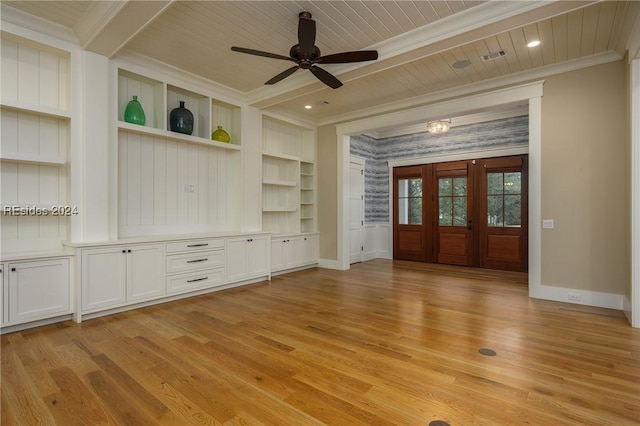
(116, 275)
(166, 191)
(288, 177)
(248, 257)
(294, 251)
(35, 290)
(34, 145)
(195, 264)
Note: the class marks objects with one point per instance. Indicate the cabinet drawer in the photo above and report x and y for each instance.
(195, 245)
(195, 261)
(195, 280)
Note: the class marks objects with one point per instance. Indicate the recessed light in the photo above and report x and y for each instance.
(533, 43)
(308, 107)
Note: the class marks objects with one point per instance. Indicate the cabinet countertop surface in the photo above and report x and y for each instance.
(161, 238)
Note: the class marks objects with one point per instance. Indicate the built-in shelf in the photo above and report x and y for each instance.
(288, 155)
(279, 182)
(279, 209)
(176, 136)
(32, 158)
(280, 156)
(35, 109)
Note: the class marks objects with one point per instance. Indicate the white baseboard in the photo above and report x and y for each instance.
(329, 264)
(586, 297)
(626, 308)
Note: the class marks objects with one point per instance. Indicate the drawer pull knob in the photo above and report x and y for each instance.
(197, 260)
(198, 245)
(13, 269)
(197, 279)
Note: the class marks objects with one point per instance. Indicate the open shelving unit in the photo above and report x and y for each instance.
(159, 98)
(36, 126)
(288, 185)
(169, 182)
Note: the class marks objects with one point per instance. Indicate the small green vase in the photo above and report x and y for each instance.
(220, 135)
(134, 113)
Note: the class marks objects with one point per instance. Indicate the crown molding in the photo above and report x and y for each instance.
(468, 89)
(14, 17)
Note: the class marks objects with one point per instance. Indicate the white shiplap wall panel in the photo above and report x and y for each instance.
(9, 183)
(172, 185)
(9, 130)
(48, 80)
(28, 60)
(9, 69)
(153, 174)
(159, 181)
(147, 170)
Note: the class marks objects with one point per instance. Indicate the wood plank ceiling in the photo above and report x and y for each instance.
(418, 41)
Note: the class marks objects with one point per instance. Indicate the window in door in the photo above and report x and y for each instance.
(410, 201)
(504, 199)
(452, 201)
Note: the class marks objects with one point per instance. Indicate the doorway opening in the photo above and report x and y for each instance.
(471, 212)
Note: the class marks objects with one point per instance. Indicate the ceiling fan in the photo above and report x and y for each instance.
(306, 55)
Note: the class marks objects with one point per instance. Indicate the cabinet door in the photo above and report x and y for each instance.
(145, 272)
(237, 258)
(3, 297)
(293, 252)
(259, 256)
(104, 273)
(38, 289)
(277, 254)
(310, 249)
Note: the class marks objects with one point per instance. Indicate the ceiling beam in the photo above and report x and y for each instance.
(107, 26)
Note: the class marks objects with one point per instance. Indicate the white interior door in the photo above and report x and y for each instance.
(356, 212)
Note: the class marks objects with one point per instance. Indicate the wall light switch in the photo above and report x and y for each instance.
(547, 224)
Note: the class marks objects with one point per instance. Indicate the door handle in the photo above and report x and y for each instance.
(469, 224)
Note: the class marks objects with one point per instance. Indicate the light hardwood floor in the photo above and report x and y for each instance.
(388, 342)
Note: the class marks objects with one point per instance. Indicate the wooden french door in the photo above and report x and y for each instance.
(411, 195)
(471, 213)
(454, 204)
(503, 236)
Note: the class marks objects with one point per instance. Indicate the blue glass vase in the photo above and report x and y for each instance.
(181, 120)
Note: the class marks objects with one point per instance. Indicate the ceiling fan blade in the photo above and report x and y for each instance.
(284, 74)
(347, 57)
(261, 53)
(325, 77)
(306, 35)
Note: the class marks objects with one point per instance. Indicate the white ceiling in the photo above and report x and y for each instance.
(418, 42)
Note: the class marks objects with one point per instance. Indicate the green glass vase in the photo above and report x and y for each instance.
(134, 113)
(220, 135)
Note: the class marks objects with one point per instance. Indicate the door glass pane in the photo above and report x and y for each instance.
(445, 186)
(410, 201)
(460, 186)
(512, 183)
(445, 211)
(512, 210)
(494, 183)
(494, 210)
(459, 211)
